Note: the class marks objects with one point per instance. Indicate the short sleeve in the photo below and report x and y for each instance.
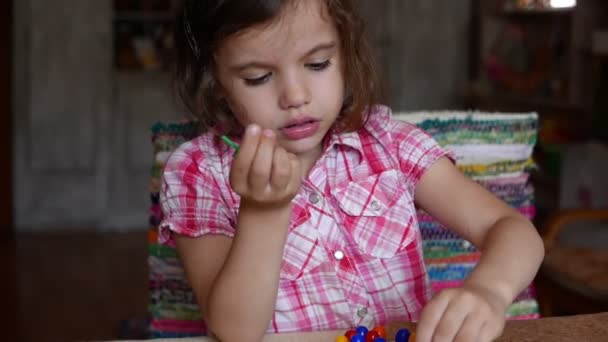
(191, 198)
(417, 152)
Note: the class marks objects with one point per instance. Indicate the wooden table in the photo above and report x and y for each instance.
(568, 329)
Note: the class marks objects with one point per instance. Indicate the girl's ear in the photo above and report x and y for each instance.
(219, 92)
(221, 99)
(224, 105)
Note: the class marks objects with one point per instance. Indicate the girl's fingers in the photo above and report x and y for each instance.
(281, 170)
(263, 170)
(244, 158)
(296, 174)
(490, 331)
(470, 329)
(452, 319)
(431, 314)
(259, 174)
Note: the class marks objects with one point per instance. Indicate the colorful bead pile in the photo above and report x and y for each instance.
(377, 334)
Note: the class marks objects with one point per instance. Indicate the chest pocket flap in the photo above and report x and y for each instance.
(371, 196)
(378, 213)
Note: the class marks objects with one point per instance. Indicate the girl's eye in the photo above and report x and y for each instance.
(258, 80)
(319, 66)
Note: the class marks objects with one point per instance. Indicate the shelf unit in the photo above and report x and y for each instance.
(143, 34)
(155, 16)
(535, 59)
(506, 76)
(524, 56)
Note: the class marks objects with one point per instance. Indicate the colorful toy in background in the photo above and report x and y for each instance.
(377, 334)
(143, 33)
(523, 61)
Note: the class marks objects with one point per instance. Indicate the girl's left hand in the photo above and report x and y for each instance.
(463, 314)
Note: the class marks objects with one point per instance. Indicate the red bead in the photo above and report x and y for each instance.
(349, 334)
(381, 331)
(371, 335)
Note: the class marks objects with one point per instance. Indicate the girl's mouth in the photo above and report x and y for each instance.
(300, 128)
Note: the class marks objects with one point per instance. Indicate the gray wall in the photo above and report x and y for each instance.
(423, 49)
(82, 149)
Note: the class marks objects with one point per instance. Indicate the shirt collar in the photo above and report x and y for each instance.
(350, 139)
(375, 125)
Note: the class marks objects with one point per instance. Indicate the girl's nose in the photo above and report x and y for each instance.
(295, 93)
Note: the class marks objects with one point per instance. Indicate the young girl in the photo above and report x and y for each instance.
(311, 225)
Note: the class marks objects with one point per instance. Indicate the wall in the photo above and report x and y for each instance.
(63, 102)
(423, 47)
(82, 147)
(6, 107)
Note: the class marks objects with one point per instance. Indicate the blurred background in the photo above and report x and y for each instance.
(83, 82)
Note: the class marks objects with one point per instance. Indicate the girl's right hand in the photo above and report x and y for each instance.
(263, 174)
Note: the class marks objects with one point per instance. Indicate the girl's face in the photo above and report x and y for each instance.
(286, 76)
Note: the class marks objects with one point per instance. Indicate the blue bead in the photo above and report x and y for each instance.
(361, 330)
(379, 339)
(403, 335)
(357, 338)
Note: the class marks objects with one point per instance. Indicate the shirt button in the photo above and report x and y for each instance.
(375, 205)
(338, 255)
(314, 198)
(362, 311)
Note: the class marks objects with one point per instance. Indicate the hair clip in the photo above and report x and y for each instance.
(190, 36)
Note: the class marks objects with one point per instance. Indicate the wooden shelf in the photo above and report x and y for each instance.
(142, 75)
(143, 16)
(537, 11)
(489, 98)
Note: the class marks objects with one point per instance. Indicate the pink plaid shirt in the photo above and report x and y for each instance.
(353, 254)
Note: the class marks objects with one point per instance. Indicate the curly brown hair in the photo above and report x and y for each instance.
(205, 24)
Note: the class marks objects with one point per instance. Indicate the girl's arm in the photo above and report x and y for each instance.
(512, 252)
(236, 281)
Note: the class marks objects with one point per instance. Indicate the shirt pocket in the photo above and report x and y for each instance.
(378, 213)
(303, 251)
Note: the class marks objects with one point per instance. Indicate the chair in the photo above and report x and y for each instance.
(172, 306)
(493, 149)
(574, 279)
(574, 276)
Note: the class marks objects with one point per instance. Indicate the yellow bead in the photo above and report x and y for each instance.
(412, 337)
(341, 338)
